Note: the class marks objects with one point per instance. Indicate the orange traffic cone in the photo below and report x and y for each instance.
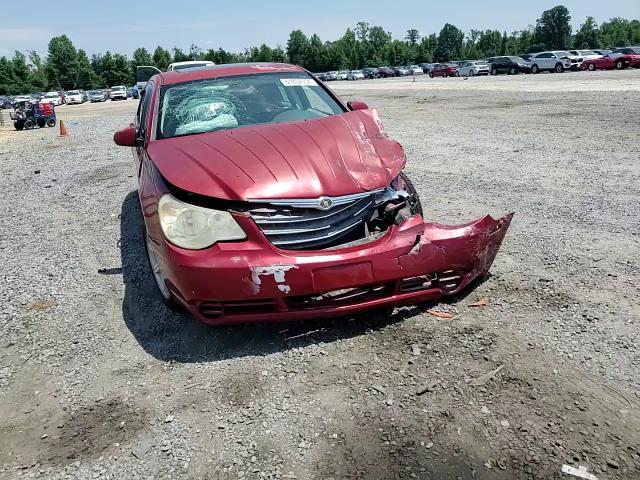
(63, 129)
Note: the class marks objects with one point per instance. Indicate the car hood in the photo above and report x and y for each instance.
(332, 156)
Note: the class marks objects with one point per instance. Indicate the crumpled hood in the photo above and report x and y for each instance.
(330, 156)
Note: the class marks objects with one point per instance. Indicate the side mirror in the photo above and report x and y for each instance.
(126, 137)
(357, 105)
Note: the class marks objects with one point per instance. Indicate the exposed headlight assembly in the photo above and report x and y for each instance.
(193, 227)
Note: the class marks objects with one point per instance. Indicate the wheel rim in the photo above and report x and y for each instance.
(471, 73)
(155, 269)
(592, 67)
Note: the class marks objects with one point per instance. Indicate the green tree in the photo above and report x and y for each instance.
(38, 71)
(297, 47)
(85, 77)
(161, 58)
(553, 28)
(61, 63)
(413, 36)
(449, 46)
(588, 35)
(616, 32)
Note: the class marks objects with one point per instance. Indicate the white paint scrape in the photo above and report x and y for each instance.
(277, 271)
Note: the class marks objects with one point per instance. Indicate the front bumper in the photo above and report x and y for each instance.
(253, 281)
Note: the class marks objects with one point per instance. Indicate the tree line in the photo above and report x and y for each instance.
(67, 67)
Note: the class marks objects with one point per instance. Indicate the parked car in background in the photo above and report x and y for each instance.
(443, 70)
(37, 96)
(118, 92)
(510, 65)
(347, 236)
(630, 54)
(355, 75)
(551, 62)
(74, 97)
(471, 69)
(386, 72)
(135, 93)
(426, 67)
(5, 103)
(416, 70)
(370, 72)
(320, 76)
(52, 97)
(617, 60)
(22, 98)
(189, 64)
(341, 75)
(401, 71)
(330, 76)
(585, 54)
(602, 52)
(97, 96)
(526, 56)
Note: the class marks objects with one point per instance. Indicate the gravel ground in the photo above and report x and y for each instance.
(99, 380)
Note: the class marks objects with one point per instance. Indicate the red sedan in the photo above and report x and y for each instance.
(443, 70)
(265, 197)
(618, 59)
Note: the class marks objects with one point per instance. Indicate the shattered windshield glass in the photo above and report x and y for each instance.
(229, 102)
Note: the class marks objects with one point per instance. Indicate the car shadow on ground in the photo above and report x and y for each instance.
(176, 336)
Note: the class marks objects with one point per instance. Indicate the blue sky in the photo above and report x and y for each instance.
(121, 26)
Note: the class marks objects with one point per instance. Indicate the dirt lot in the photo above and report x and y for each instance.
(98, 380)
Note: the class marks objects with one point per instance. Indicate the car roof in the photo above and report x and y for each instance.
(225, 70)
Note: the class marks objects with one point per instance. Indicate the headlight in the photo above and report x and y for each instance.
(193, 227)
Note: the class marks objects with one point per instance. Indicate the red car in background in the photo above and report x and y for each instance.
(443, 70)
(619, 58)
(265, 197)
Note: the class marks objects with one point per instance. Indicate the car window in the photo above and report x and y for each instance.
(143, 108)
(229, 102)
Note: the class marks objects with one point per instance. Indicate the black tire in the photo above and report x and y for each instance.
(535, 69)
(445, 74)
(41, 122)
(167, 299)
(559, 68)
(430, 74)
(18, 125)
(51, 122)
(494, 71)
(457, 73)
(591, 67)
(513, 71)
(28, 124)
(619, 65)
(414, 200)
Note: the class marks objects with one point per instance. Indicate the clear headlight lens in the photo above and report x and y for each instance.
(193, 227)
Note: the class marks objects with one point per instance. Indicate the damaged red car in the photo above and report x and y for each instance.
(265, 197)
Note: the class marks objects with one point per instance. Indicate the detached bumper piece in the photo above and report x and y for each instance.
(413, 262)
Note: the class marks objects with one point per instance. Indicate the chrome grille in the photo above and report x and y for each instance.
(294, 227)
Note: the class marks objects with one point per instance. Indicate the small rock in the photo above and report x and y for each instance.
(141, 448)
(613, 464)
(379, 389)
(485, 410)
(44, 436)
(169, 419)
(415, 350)
(504, 423)
(429, 445)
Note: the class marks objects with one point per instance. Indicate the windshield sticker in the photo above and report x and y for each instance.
(298, 82)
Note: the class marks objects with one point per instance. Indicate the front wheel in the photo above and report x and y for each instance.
(158, 276)
(41, 122)
(430, 74)
(559, 68)
(471, 74)
(513, 71)
(457, 74)
(18, 125)
(51, 122)
(619, 65)
(535, 69)
(494, 71)
(28, 124)
(591, 67)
